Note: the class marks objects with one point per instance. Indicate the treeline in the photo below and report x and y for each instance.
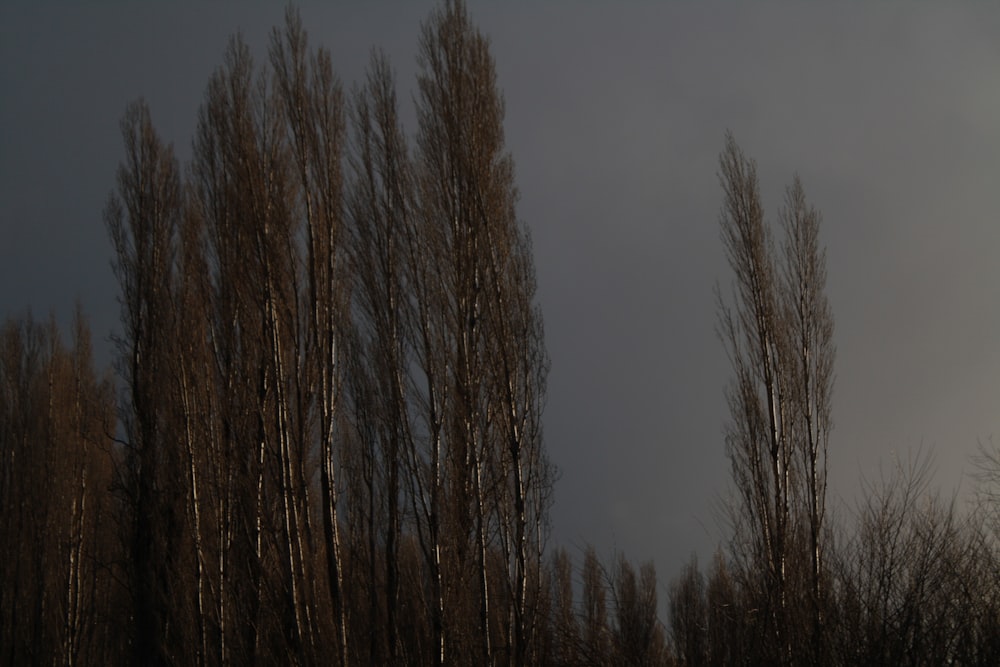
(907, 579)
(335, 369)
(904, 578)
(326, 443)
(913, 581)
(60, 522)
(333, 372)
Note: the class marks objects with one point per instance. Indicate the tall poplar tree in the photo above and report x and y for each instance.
(778, 334)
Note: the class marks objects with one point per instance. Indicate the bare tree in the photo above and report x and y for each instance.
(56, 594)
(380, 210)
(194, 398)
(778, 335)
(904, 579)
(727, 622)
(809, 319)
(314, 108)
(689, 616)
(562, 619)
(594, 613)
(143, 220)
(478, 324)
(987, 476)
(455, 101)
(638, 635)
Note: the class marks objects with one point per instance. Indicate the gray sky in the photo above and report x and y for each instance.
(616, 114)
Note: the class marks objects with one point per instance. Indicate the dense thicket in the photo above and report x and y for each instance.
(326, 446)
(335, 369)
(58, 527)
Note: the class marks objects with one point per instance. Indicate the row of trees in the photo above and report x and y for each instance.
(327, 448)
(58, 524)
(913, 581)
(335, 368)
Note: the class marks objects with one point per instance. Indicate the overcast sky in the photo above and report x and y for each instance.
(616, 114)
